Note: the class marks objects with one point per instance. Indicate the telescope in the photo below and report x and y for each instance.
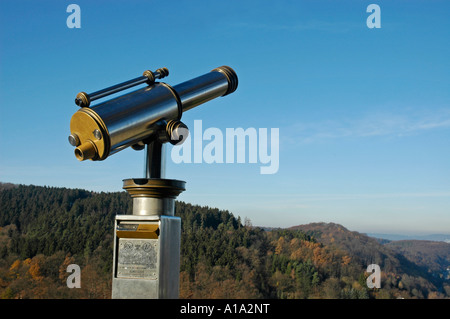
(132, 119)
(146, 255)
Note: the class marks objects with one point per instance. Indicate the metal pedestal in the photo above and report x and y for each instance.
(147, 243)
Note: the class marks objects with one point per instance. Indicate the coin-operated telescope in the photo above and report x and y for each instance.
(146, 262)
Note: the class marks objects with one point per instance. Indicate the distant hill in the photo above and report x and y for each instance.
(368, 250)
(432, 255)
(405, 260)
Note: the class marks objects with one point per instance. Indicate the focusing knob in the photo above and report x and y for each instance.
(177, 132)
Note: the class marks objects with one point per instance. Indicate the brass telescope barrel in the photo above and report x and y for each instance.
(108, 127)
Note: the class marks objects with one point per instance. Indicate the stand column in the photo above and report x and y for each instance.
(147, 243)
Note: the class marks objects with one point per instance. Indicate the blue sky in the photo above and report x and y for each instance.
(363, 114)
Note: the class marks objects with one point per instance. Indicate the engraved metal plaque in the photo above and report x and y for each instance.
(137, 258)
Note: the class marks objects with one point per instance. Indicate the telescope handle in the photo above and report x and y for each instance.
(84, 100)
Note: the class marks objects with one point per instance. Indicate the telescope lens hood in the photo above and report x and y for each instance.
(231, 77)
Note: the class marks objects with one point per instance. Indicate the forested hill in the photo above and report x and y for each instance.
(44, 229)
(416, 263)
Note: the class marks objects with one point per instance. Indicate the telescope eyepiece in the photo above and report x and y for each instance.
(86, 151)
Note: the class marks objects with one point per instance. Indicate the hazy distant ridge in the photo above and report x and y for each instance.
(433, 237)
